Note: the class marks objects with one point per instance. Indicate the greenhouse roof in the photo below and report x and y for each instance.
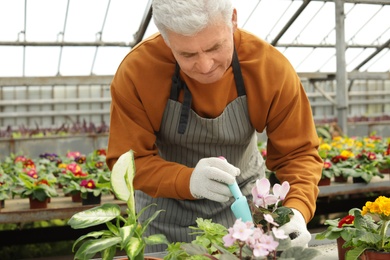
(89, 37)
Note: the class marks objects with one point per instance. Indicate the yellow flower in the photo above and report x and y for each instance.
(325, 146)
(380, 207)
(347, 153)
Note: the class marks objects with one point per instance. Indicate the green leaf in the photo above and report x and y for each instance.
(89, 248)
(156, 239)
(109, 253)
(300, 253)
(134, 247)
(126, 233)
(94, 234)
(95, 216)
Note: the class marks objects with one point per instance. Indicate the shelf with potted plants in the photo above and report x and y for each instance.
(45, 176)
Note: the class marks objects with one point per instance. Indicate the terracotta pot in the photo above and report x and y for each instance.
(324, 182)
(375, 255)
(387, 170)
(340, 179)
(76, 197)
(340, 250)
(91, 199)
(37, 204)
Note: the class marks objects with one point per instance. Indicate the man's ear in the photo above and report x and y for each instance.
(234, 20)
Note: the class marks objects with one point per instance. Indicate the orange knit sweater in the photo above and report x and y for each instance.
(277, 104)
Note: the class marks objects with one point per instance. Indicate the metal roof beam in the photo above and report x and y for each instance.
(290, 22)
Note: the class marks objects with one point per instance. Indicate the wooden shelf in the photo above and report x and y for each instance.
(18, 210)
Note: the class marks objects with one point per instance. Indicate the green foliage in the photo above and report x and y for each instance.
(121, 233)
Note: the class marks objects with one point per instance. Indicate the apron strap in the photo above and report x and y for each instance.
(238, 75)
(178, 84)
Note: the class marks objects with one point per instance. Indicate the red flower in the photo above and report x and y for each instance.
(347, 220)
(338, 158)
(101, 152)
(327, 165)
(43, 181)
(29, 164)
(99, 165)
(90, 184)
(80, 159)
(371, 156)
(32, 173)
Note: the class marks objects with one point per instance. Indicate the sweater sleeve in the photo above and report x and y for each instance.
(292, 146)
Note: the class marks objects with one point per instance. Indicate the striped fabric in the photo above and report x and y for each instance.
(230, 135)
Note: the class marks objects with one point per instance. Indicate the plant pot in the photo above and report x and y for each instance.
(37, 204)
(76, 197)
(91, 199)
(324, 182)
(375, 255)
(340, 250)
(358, 180)
(385, 170)
(340, 179)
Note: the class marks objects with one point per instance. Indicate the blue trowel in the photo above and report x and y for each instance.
(240, 207)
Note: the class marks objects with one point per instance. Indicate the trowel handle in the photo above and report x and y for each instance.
(235, 190)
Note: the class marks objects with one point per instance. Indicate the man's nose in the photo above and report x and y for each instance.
(205, 63)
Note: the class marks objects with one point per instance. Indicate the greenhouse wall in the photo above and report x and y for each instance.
(56, 106)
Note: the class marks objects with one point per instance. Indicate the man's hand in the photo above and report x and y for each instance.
(296, 229)
(210, 179)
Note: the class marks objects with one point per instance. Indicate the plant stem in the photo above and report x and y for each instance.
(383, 232)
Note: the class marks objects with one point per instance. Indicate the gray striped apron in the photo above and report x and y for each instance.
(185, 138)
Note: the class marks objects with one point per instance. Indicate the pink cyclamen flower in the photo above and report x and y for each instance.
(270, 219)
(281, 191)
(261, 195)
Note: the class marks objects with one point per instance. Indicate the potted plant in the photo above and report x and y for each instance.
(327, 173)
(337, 229)
(246, 240)
(6, 185)
(367, 233)
(366, 167)
(125, 233)
(38, 188)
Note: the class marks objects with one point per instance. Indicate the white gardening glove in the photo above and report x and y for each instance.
(210, 178)
(297, 230)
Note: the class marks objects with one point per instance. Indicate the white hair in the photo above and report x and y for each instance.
(188, 17)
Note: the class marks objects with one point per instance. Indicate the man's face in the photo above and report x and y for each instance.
(207, 55)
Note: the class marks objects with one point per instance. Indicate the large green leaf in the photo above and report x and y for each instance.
(156, 239)
(93, 234)
(134, 247)
(91, 247)
(95, 216)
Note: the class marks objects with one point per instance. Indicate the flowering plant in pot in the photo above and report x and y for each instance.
(367, 166)
(35, 186)
(125, 233)
(363, 230)
(6, 186)
(370, 229)
(260, 239)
